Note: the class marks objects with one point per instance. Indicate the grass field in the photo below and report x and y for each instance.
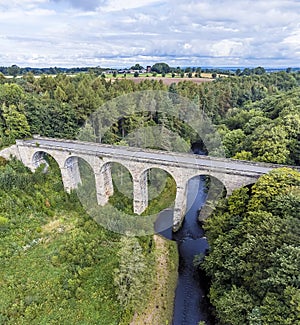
(167, 79)
(151, 75)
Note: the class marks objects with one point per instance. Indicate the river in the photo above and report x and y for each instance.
(191, 305)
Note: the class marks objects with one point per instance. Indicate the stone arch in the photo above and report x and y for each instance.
(234, 181)
(163, 168)
(249, 184)
(105, 184)
(155, 178)
(75, 157)
(179, 177)
(68, 165)
(38, 158)
(81, 172)
(122, 173)
(206, 172)
(71, 165)
(215, 191)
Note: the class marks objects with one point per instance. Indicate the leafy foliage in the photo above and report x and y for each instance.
(267, 130)
(132, 275)
(254, 252)
(57, 264)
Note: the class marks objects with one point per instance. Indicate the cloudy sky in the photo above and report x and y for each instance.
(120, 33)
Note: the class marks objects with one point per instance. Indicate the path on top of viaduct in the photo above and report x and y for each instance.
(181, 166)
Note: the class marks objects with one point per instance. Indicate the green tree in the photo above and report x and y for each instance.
(259, 70)
(234, 306)
(129, 277)
(11, 94)
(137, 66)
(270, 144)
(13, 70)
(60, 95)
(243, 155)
(281, 309)
(246, 72)
(161, 68)
(254, 252)
(198, 71)
(233, 142)
(3, 222)
(16, 125)
(2, 78)
(278, 181)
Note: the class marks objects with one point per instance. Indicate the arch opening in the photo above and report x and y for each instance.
(48, 165)
(161, 190)
(119, 186)
(40, 158)
(203, 194)
(83, 179)
(46, 161)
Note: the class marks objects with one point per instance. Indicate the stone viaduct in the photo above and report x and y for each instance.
(181, 166)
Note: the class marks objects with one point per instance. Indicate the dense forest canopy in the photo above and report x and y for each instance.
(254, 258)
(253, 235)
(249, 110)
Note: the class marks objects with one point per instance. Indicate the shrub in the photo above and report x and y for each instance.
(3, 221)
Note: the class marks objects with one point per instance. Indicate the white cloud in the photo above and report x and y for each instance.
(293, 39)
(87, 5)
(21, 4)
(119, 5)
(226, 48)
(115, 32)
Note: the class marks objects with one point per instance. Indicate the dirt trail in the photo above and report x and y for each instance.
(155, 311)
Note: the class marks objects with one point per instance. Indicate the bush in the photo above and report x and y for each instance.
(3, 161)
(3, 221)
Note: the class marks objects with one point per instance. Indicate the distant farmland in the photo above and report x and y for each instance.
(168, 81)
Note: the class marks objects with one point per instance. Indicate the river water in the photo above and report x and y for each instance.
(191, 305)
